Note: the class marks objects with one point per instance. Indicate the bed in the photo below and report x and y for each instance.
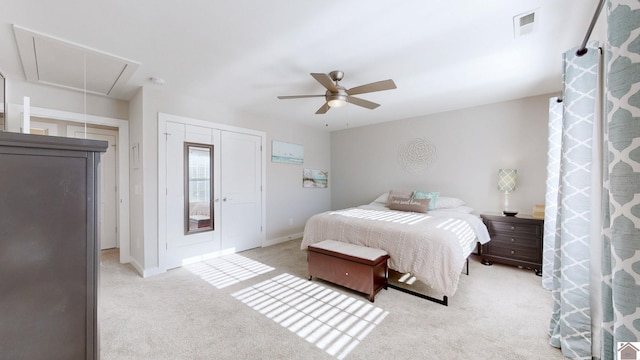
(433, 246)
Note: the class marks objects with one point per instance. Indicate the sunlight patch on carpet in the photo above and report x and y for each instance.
(228, 270)
(334, 322)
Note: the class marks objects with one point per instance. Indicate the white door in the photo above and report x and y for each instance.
(184, 247)
(241, 191)
(108, 182)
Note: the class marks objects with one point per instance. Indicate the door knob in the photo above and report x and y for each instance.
(224, 199)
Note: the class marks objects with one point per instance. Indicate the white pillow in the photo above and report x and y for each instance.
(382, 198)
(445, 202)
(459, 209)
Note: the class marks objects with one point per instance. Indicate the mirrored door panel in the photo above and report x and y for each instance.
(198, 183)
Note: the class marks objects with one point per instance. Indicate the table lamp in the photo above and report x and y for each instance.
(507, 183)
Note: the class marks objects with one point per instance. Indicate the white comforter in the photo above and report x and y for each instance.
(433, 247)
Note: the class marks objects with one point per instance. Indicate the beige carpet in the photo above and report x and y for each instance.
(259, 304)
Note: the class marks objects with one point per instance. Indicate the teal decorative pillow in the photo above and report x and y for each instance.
(431, 195)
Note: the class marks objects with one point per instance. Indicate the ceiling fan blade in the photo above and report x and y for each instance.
(362, 102)
(323, 109)
(376, 86)
(299, 96)
(326, 81)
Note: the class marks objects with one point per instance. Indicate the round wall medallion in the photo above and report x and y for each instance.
(416, 155)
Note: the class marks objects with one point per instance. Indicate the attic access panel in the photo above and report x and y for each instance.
(52, 61)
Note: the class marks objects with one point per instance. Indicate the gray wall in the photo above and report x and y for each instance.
(471, 145)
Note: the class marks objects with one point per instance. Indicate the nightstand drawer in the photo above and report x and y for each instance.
(521, 242)
(515, 240)
(515, 253)
(515, 228)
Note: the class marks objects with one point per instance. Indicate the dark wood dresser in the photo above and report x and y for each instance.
(515, 240)
(49, 247)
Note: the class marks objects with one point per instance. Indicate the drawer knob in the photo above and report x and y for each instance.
(513, 240)
(513, 252)
(513, 228)
(346, 274)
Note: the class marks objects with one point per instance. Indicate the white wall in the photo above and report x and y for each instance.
(286, 199)
(136, 182)
(471, 145)
(55, 98)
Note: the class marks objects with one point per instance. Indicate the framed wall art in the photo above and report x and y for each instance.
(314, 178)
(287, 153)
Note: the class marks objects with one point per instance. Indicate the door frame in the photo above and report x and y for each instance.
(71, 129)
(163, 118)
(123, 163)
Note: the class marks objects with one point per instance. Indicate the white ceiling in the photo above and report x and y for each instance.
(442, 55)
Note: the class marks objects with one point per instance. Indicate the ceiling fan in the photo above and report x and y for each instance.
(337, 95)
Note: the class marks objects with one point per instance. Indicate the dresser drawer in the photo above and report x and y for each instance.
(514, 228)
(516, 241)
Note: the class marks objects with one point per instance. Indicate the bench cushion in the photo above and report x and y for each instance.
(357, 251)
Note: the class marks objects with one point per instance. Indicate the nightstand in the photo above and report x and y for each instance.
(515, 240)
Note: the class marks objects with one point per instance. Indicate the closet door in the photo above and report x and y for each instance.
(241, 191)
(237, 199)
(184, 244)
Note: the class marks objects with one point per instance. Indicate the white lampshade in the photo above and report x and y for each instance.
(507, 179)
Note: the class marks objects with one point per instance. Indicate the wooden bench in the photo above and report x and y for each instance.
(359, 268)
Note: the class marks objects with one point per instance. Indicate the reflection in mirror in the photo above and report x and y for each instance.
(3, 102)
(198, 187)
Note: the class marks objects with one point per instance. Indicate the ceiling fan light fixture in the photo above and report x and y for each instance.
(336, 100)
(338, 96)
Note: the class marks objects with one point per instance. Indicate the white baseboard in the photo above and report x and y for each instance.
(282, 239)
(153, 271)
(145, 272)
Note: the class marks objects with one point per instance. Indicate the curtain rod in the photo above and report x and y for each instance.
(583, 47)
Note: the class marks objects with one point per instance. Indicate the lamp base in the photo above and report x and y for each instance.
(510, 212)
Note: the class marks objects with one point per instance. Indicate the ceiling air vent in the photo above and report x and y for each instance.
(524, 23)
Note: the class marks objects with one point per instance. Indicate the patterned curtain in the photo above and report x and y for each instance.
(621, 223)
(551, 250)
(592, 253)
(571, 185)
